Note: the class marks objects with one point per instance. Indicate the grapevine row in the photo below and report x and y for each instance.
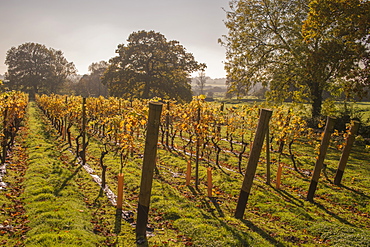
(199, 129)
(12, 111)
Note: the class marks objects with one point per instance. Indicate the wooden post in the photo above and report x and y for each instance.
(5, 136)
(345, 154)
(168, 124)
(278, 176)
(252, 162)
(197, 151)
(120, 191)
(64, 128)
(83, 152)
(209, 181)
(320, 160)
(268, 166)
(188, 173)
(150, 153)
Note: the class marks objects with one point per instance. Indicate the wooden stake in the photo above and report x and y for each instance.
(120, 191)
(64, 128)
(209, 181)
(320, 160)
(252, 162)
(278, 176)
(83, 152)
(268, 167)
(197, 152)
(345, 154)
(5, 137)
(188, 173)
(150, 153)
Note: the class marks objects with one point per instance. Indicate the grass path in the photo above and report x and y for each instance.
(56, 198)
(56, 207)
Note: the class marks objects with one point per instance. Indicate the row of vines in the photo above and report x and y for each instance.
(198, 130)
(12, 112)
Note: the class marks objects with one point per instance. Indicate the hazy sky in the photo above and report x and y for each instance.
(89, 30)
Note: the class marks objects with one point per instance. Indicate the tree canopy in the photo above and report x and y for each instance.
(34, 68)
(292, 50)
(150, 66)
(343, 25)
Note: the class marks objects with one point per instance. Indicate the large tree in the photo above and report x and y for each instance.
(34, 68)
(150, 66)
(344, 25)
(267, 43)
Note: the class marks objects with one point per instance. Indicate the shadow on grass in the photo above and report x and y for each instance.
(344, 221)
(65, 182)
(118, 222)
(217, 206)
(239, 235)
(210, 209)
(262, 233)
(193, 190)
(355, 191)
(289, 197)
(100, 195)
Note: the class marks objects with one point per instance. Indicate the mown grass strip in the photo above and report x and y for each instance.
(57, 212)
(13, 218)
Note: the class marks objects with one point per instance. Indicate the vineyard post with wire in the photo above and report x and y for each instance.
(320, 160)
(83, 130)
(168, 124)
(197, 132)
(253, 162)
(268, 165)
(150, 153)
(64, 135)
(5, 134)
(345, 154)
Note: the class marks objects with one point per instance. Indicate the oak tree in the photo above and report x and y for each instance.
(345, 26)
(34, 68)
(276, 43)
(151, 66)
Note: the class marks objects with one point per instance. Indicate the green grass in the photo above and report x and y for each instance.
(56, 209)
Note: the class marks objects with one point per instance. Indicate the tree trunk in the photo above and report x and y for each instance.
(146, 90)
(316, 96)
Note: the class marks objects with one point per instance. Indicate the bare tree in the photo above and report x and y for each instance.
(201, 81)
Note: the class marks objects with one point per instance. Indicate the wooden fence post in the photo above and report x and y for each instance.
(168, 124)
(150, 153)
(252, 162)
(83, 152)
(64, 128)
(268, 166)
(5, 136)
(320, 160)
(120, 191)
(278, 176)
(197, 151)
(209, 181)
(188, 173)
(345, 154)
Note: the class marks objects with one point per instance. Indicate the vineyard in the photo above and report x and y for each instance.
(72, 174)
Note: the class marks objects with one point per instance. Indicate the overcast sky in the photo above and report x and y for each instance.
(89, 30)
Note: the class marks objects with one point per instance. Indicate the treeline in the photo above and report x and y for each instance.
(147, 66)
